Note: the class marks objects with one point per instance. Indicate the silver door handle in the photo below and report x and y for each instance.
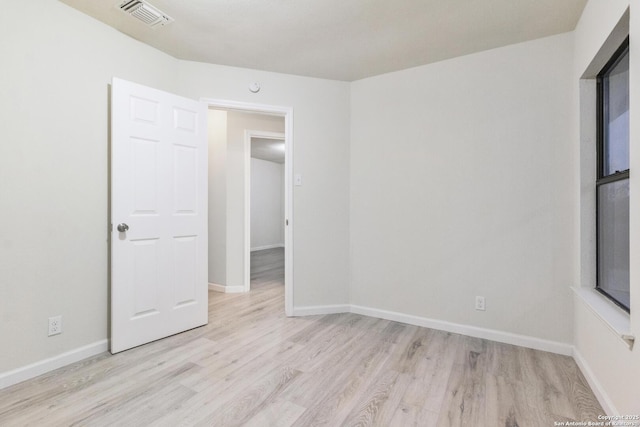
(122, 227)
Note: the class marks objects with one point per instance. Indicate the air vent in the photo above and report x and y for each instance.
(145, 12)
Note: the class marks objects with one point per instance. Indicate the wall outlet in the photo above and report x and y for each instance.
(55, 325)
(480, 303)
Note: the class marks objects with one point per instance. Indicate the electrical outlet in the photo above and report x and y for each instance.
(480, 303)
(55, 325)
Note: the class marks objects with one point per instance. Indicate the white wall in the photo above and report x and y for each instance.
(267, 204)
(57, 66)
(460, 187)
(54, 96)
(611, 366)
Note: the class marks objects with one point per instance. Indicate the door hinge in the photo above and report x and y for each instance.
(286, 222)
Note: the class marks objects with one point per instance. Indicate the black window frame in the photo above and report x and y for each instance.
(601, 178)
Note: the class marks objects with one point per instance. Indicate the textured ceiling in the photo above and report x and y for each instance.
(338, 39)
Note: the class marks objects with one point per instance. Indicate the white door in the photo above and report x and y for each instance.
(158, 214)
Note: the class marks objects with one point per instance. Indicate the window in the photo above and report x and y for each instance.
(612, 183)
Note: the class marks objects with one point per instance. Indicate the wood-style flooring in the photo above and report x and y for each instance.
(267, 267)
(253, 366)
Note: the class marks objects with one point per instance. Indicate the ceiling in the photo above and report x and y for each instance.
(338, 39)
(268, 149)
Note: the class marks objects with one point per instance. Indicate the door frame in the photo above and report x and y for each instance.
(287, 113)
(248, 135)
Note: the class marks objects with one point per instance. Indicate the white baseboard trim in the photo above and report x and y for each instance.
(261, 248)
(313, 310)
(472, 331)
(47, 365)
(595, 385)
(226, 289)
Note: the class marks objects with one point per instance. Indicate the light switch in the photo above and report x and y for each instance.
(298, 180)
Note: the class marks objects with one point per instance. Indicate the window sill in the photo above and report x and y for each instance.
(613, 316)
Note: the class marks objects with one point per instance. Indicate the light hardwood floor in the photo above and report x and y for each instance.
(253, 366)
(267, 267)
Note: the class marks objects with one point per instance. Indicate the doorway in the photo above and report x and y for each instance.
(235, 175)
(265, 216)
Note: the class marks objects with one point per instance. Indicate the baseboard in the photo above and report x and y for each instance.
(262, 248)
(472, 331)
(312, 310)
(595, 385)
(226, 289)
(47, 365)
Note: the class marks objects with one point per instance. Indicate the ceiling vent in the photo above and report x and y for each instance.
(145, 12)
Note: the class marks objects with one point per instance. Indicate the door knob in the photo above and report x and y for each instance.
(122, 227)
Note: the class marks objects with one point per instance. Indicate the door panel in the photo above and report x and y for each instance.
(145, 277)
(185, 180)
(145, 176)
(159, 190)
(184, 280)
